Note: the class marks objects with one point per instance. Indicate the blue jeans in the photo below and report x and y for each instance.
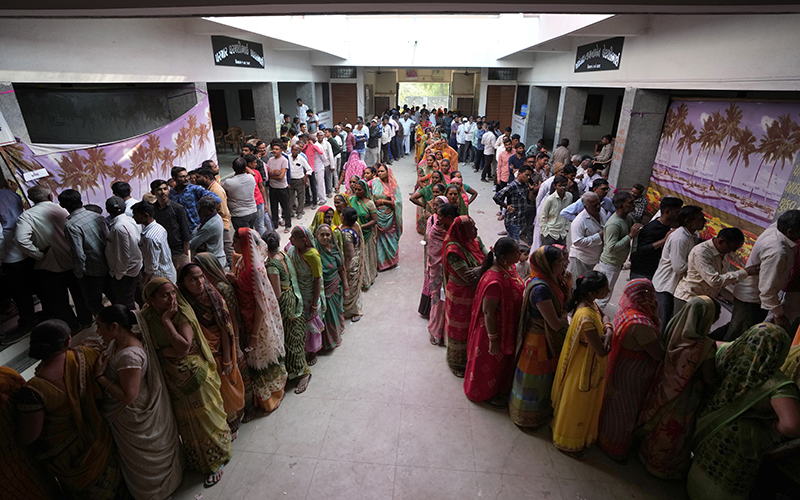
(513, 231)
(260, 228)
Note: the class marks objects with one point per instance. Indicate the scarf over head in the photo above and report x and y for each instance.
(637, 306)
(457, 242)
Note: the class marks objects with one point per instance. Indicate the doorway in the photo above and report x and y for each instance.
(381, 104)
(435, 95)
(344, 102)
(500, 103)
(219, 110)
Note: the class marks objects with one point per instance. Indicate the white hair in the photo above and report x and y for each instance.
(575, 157)
(589, 197)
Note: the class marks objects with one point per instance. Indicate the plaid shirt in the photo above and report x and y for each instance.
(189, 198)
(513, 194)
(86, 233)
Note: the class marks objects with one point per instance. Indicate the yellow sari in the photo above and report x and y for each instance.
(579, 384)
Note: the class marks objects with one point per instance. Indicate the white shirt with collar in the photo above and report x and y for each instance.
(461, 133)
(301, 113)
(40, 235)
(327, 150)
(470, 130)
(122, 251)
(299, 167)
(587, 243)
(156, 254)
(674, 260)
(774, 253)
(408, 126)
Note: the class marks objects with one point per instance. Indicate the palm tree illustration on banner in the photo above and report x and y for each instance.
(154, 151)
(744, 146)
(709, 137)
(183, 143)
(687, 140)
(119, 173)
(167, 157)
(787, 143)
(141, 166)
(766, 148)
(681, 114)
(729, 129)
(74, 175)
(96, 165)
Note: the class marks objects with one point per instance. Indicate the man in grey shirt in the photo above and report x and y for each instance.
(207, 237)
(241, 196)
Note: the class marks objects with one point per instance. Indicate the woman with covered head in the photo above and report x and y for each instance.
(261, 322)
(423, 197)
(137, 406)
(668, 415)
(60, 419)
(438, 225)
(493, 327)
(215, 322)
(542, 328)
(368, 219)
(388, 201)
(334, 282)
(635, 355)
(353, 167)
(353, 254)
(331, 217)
(753, 407)
(463, 256)
(191, 377)
(308, 267)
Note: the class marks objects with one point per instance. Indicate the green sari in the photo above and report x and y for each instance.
(294, 325)
(193, 385)
(731, 435)
(365, 209)
(332, 288)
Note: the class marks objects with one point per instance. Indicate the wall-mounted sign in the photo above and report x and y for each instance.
(604, 55)
(234, 52)
(6, 136)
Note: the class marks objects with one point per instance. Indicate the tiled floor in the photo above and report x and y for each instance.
(384, 418)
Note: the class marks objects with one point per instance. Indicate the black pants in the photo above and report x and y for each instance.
(478, 161)
(549, 240)
(54, 290)
(311, 190)
(393, 148)
(280, 196)
(487, 166)
(244, 221)
(93, 288)
(666, 304)
(124, 291)
(744, 315)
(20, 278)
(386, 153)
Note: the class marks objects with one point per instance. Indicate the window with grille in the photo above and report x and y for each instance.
(343, 72)
(502, 73)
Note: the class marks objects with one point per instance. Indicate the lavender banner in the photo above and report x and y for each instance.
(186, 142)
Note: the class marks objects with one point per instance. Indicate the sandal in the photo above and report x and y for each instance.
(287, 230)
(302, 384)
(577, 455)
(355, 319)
(434, 341)
(214, 478)
(312, 360)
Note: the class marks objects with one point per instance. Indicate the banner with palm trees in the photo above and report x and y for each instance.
(186, 142)
(730, 157)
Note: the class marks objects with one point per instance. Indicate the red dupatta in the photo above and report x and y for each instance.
(510, 297)
(638, 306)
(457, 242)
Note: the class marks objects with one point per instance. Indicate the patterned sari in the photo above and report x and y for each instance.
(308, 266)
(537, 357)
(215, 322)
(332, 288)
(75, 445)
(669, 410)
(319, 219)
(265, 351)
(434, 249)
(352, 300)
(731, 437)
(194, 387)
(579, 384)
(353, 166)
(630, 372)
(489, 375)
(460, 252)
(294, 326)
(390, 221)
(365, 208)
(423, 214)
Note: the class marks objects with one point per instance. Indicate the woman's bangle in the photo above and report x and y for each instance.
(608, 325)
(227, 364)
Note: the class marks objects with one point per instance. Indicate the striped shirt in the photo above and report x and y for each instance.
(156, 254)
(87, 233)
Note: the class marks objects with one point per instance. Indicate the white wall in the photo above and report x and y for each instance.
(232, 106)
(287, 98)
(607, 112)
(136, 50)
(691, 52)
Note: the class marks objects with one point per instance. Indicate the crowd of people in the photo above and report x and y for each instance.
(210, 317)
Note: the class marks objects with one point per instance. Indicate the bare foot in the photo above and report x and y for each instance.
(302, 385)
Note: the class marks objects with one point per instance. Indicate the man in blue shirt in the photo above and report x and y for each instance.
(188, 195)
(599, 187)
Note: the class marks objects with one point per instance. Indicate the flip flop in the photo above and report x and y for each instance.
(209, 482)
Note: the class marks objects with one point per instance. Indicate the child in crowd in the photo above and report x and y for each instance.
(523, 266)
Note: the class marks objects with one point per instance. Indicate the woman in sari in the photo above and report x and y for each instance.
(632, 363)
(580, 378)
(60, 418)
(327, 215)
(261, 322)
(543, 328)
(308, 268)
(467, 192)
(340, 202)
(420, 140)
(463, 256)
(424, 308)
(353, 253)
(283, 278)
(334, 282)
(388, 200)
(190, 374)
(453, 194)
(136, 406)
(368, 219)
(22, 477)
(753, 408)
(370, 173)
(668, 414)
(215, 322)
(434, 249)
(354, 166)
(422, 198)
(424, 170)
(492, 336)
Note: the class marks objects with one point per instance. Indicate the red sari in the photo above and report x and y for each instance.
(488, 375)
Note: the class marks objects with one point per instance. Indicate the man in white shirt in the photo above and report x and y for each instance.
(606, 205)
(301, 112)
(488, 142)
(386, 138)
(41, 236)
(590, 175)
(122, 253)
(587, 236)
(317, 163)
(757, 296)
(461, 140)
(470, 131)
(278, 172)
(329, 163)
(241, 196)
(123, 190)
(156, 254)
(299, 172)
(674, 260)
(17, 267)
(408, 128)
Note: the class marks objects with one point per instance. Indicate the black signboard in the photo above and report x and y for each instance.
(234, 52)
(599, 56)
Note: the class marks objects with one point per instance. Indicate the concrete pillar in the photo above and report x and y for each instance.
(571, 110)
(534, 124)
(638, 133)
(483, 91)
(266, 104)
(305, 91)
(184, 97)
(12, 112)
(361, 94)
